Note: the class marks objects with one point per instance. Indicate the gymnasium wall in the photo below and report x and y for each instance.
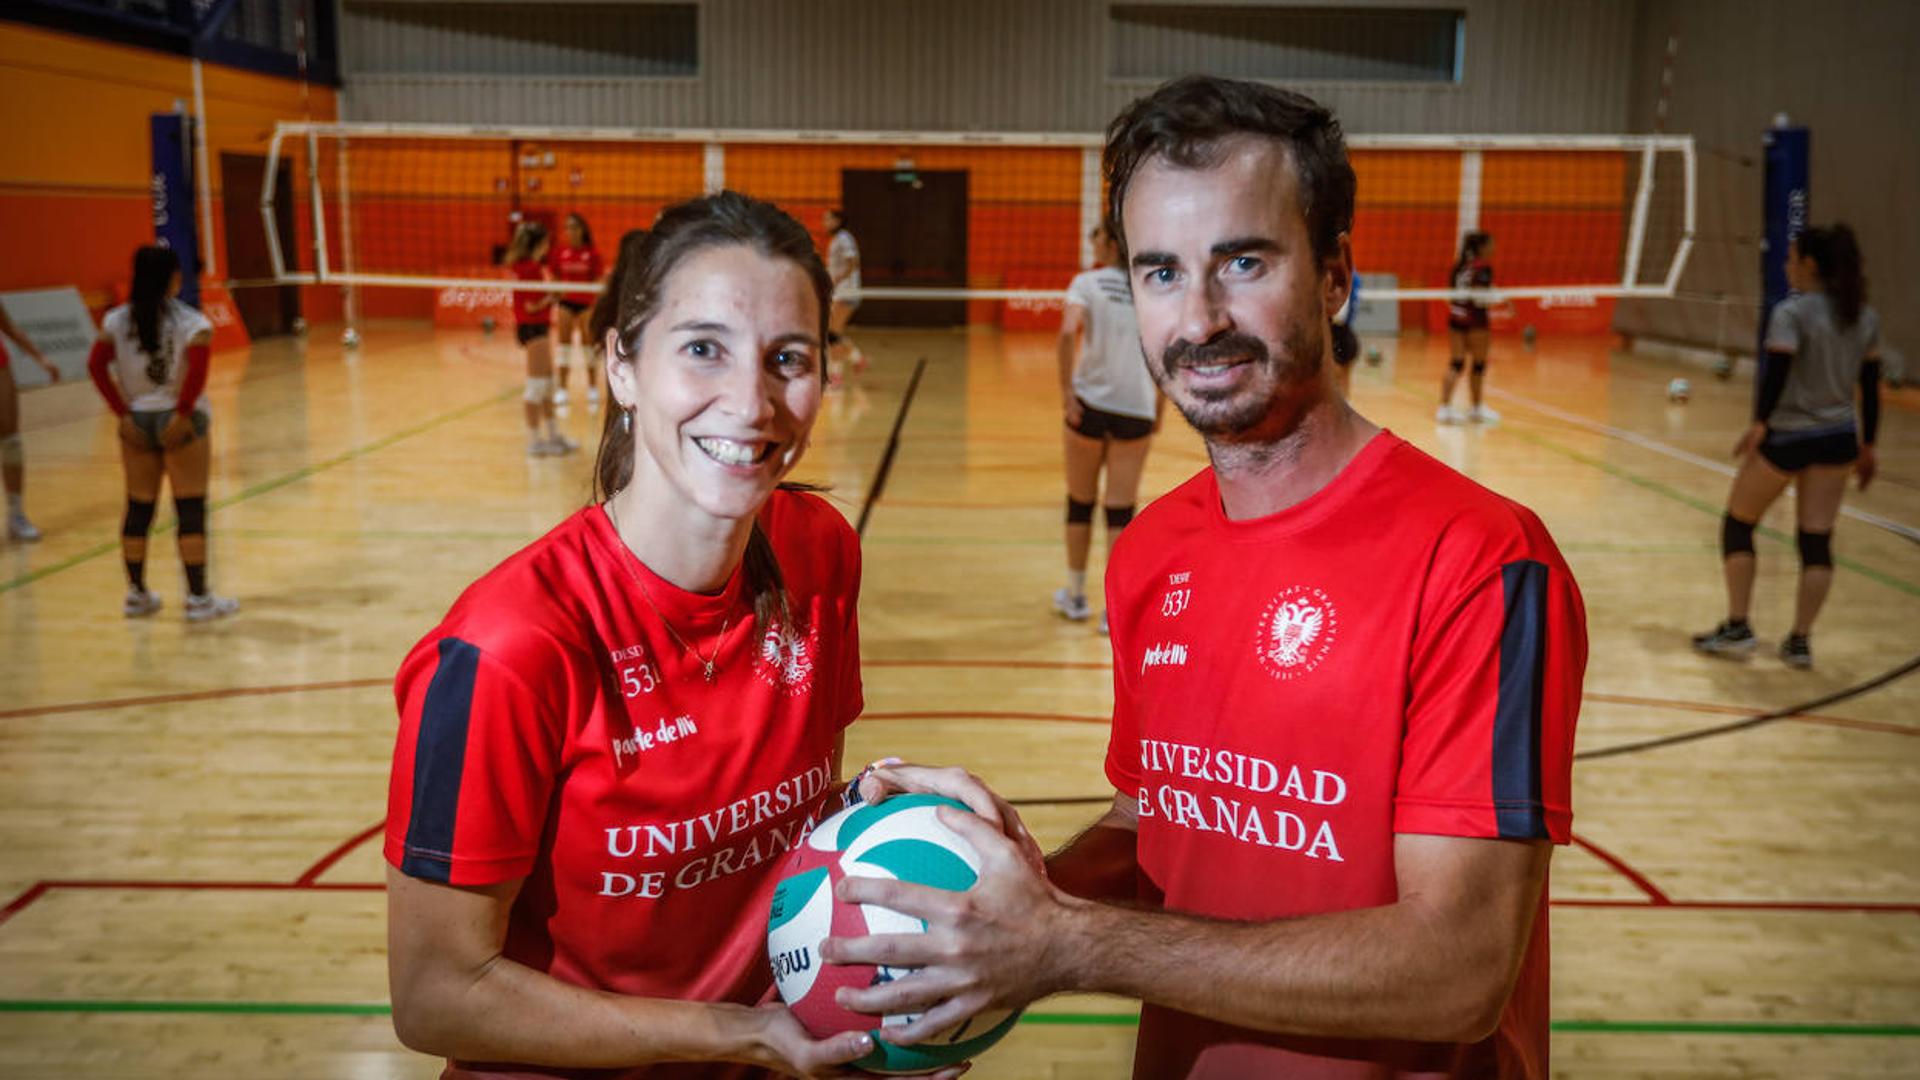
(995, 65)
(1740, 62)
(75, 164)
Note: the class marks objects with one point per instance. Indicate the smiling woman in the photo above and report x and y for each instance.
(682, 649)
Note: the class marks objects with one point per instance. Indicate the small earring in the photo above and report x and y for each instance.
(626, 421)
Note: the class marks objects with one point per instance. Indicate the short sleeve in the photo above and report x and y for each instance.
(1783, 329)
(1123, 736)
(114, 322)
(1494, 696)
(474, 768)
(1869, 330)
(1081, 292)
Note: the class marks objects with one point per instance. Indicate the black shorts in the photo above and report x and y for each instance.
(1100, 424)
(575, 306)
(1473, 319)
(1791, 454)
(530, 332)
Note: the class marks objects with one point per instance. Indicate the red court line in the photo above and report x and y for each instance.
(326, 861)
(1741, 710)
(976, 714)
(1802, 907)
(1654, 895)
(192, 695)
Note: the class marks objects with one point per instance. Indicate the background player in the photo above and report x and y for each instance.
(843, 265)
(1822, 344)
(1467, 331)
(13, 456)
(150, 365)
(605, 314)
(575, 259)
(1112, 411)
(532, 314)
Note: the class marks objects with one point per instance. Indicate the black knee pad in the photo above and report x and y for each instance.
(139, 519)
(1479, 367)
(1736, 536)
(193, 515)
(1816, 549)
(1079, 513)
(1457, 365)
(1117, 517)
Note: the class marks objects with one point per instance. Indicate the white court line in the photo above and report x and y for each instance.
(1658, 447)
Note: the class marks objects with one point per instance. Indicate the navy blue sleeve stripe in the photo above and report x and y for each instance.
(439, 759)
(1516, 718)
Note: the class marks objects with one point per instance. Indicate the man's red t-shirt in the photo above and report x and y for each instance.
(524, 311)
(1400, 653)
(576, 264)
(552, 730)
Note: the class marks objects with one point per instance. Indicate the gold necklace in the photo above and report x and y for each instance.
(707, 663)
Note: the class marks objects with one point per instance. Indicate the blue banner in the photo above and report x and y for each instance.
(172, 190)
(1788, 162)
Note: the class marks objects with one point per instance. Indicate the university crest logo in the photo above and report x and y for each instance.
(1296, 631)
(786, 658)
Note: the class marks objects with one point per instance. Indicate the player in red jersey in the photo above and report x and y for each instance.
(575, 260)
(526, 259)
(13, 457)
(608, 745)
(1345, 682)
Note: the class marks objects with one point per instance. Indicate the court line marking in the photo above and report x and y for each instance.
(1649, 443)
(265, 486)
(1655, 895)
(1054, 1019)
(885, 467)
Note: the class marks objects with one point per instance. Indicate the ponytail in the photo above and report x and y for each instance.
(153, 271)
(1470, 247)
(1836, 257)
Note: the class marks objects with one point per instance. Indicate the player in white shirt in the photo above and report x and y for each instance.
(150, 364)
(1112, 409)
(13, 457)
(843, 266)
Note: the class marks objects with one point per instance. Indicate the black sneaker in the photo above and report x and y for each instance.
(1797, 651)
(1728, 640)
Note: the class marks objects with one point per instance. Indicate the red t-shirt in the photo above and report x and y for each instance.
(552, 729)
(1400, 653)
(524, 312)
(577, 264)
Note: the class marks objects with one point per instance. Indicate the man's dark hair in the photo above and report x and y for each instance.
(1187, 120)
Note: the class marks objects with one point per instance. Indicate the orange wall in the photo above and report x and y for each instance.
(75, 161)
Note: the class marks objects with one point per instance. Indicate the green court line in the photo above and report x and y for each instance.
(265, 486)
(1713, 510)
(1057, 1019)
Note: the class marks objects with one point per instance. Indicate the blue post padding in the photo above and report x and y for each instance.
(171, 186)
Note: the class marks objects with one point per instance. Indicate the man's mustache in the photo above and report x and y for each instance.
(1183, 353)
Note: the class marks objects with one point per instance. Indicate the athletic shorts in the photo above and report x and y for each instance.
(1790, 454)
(1101, 424)
(1473, 319)
(152, 422)
(576, 306)
(530, 332)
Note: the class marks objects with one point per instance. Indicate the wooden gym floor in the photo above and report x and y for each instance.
(185, 812)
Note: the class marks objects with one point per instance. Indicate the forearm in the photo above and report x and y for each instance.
(1770, 384)
(1400, 971)
(510, 1012)
(1101, 863)
(1068, 353)
(1870, 401)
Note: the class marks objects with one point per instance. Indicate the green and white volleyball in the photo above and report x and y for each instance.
(901, 838)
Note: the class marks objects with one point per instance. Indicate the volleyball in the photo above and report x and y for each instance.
(903, 839)
(1679, 390)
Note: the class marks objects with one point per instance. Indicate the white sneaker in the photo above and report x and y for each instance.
(1072, 608)
(1447, 414)
(139, 604)
(559, 396)
(559, 445)
(1483, 415)
(19, 528)
(203, 607)
(538, 447)
(1103, 624)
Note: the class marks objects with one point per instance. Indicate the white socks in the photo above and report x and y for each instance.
(1077, 582)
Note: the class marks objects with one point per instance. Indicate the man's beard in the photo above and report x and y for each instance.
(1238, 411)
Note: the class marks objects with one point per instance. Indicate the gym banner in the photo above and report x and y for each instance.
(172, 190)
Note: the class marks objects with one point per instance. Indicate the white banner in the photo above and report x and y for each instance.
(58, 322)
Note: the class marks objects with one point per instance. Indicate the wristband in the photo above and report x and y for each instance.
(851, 796)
